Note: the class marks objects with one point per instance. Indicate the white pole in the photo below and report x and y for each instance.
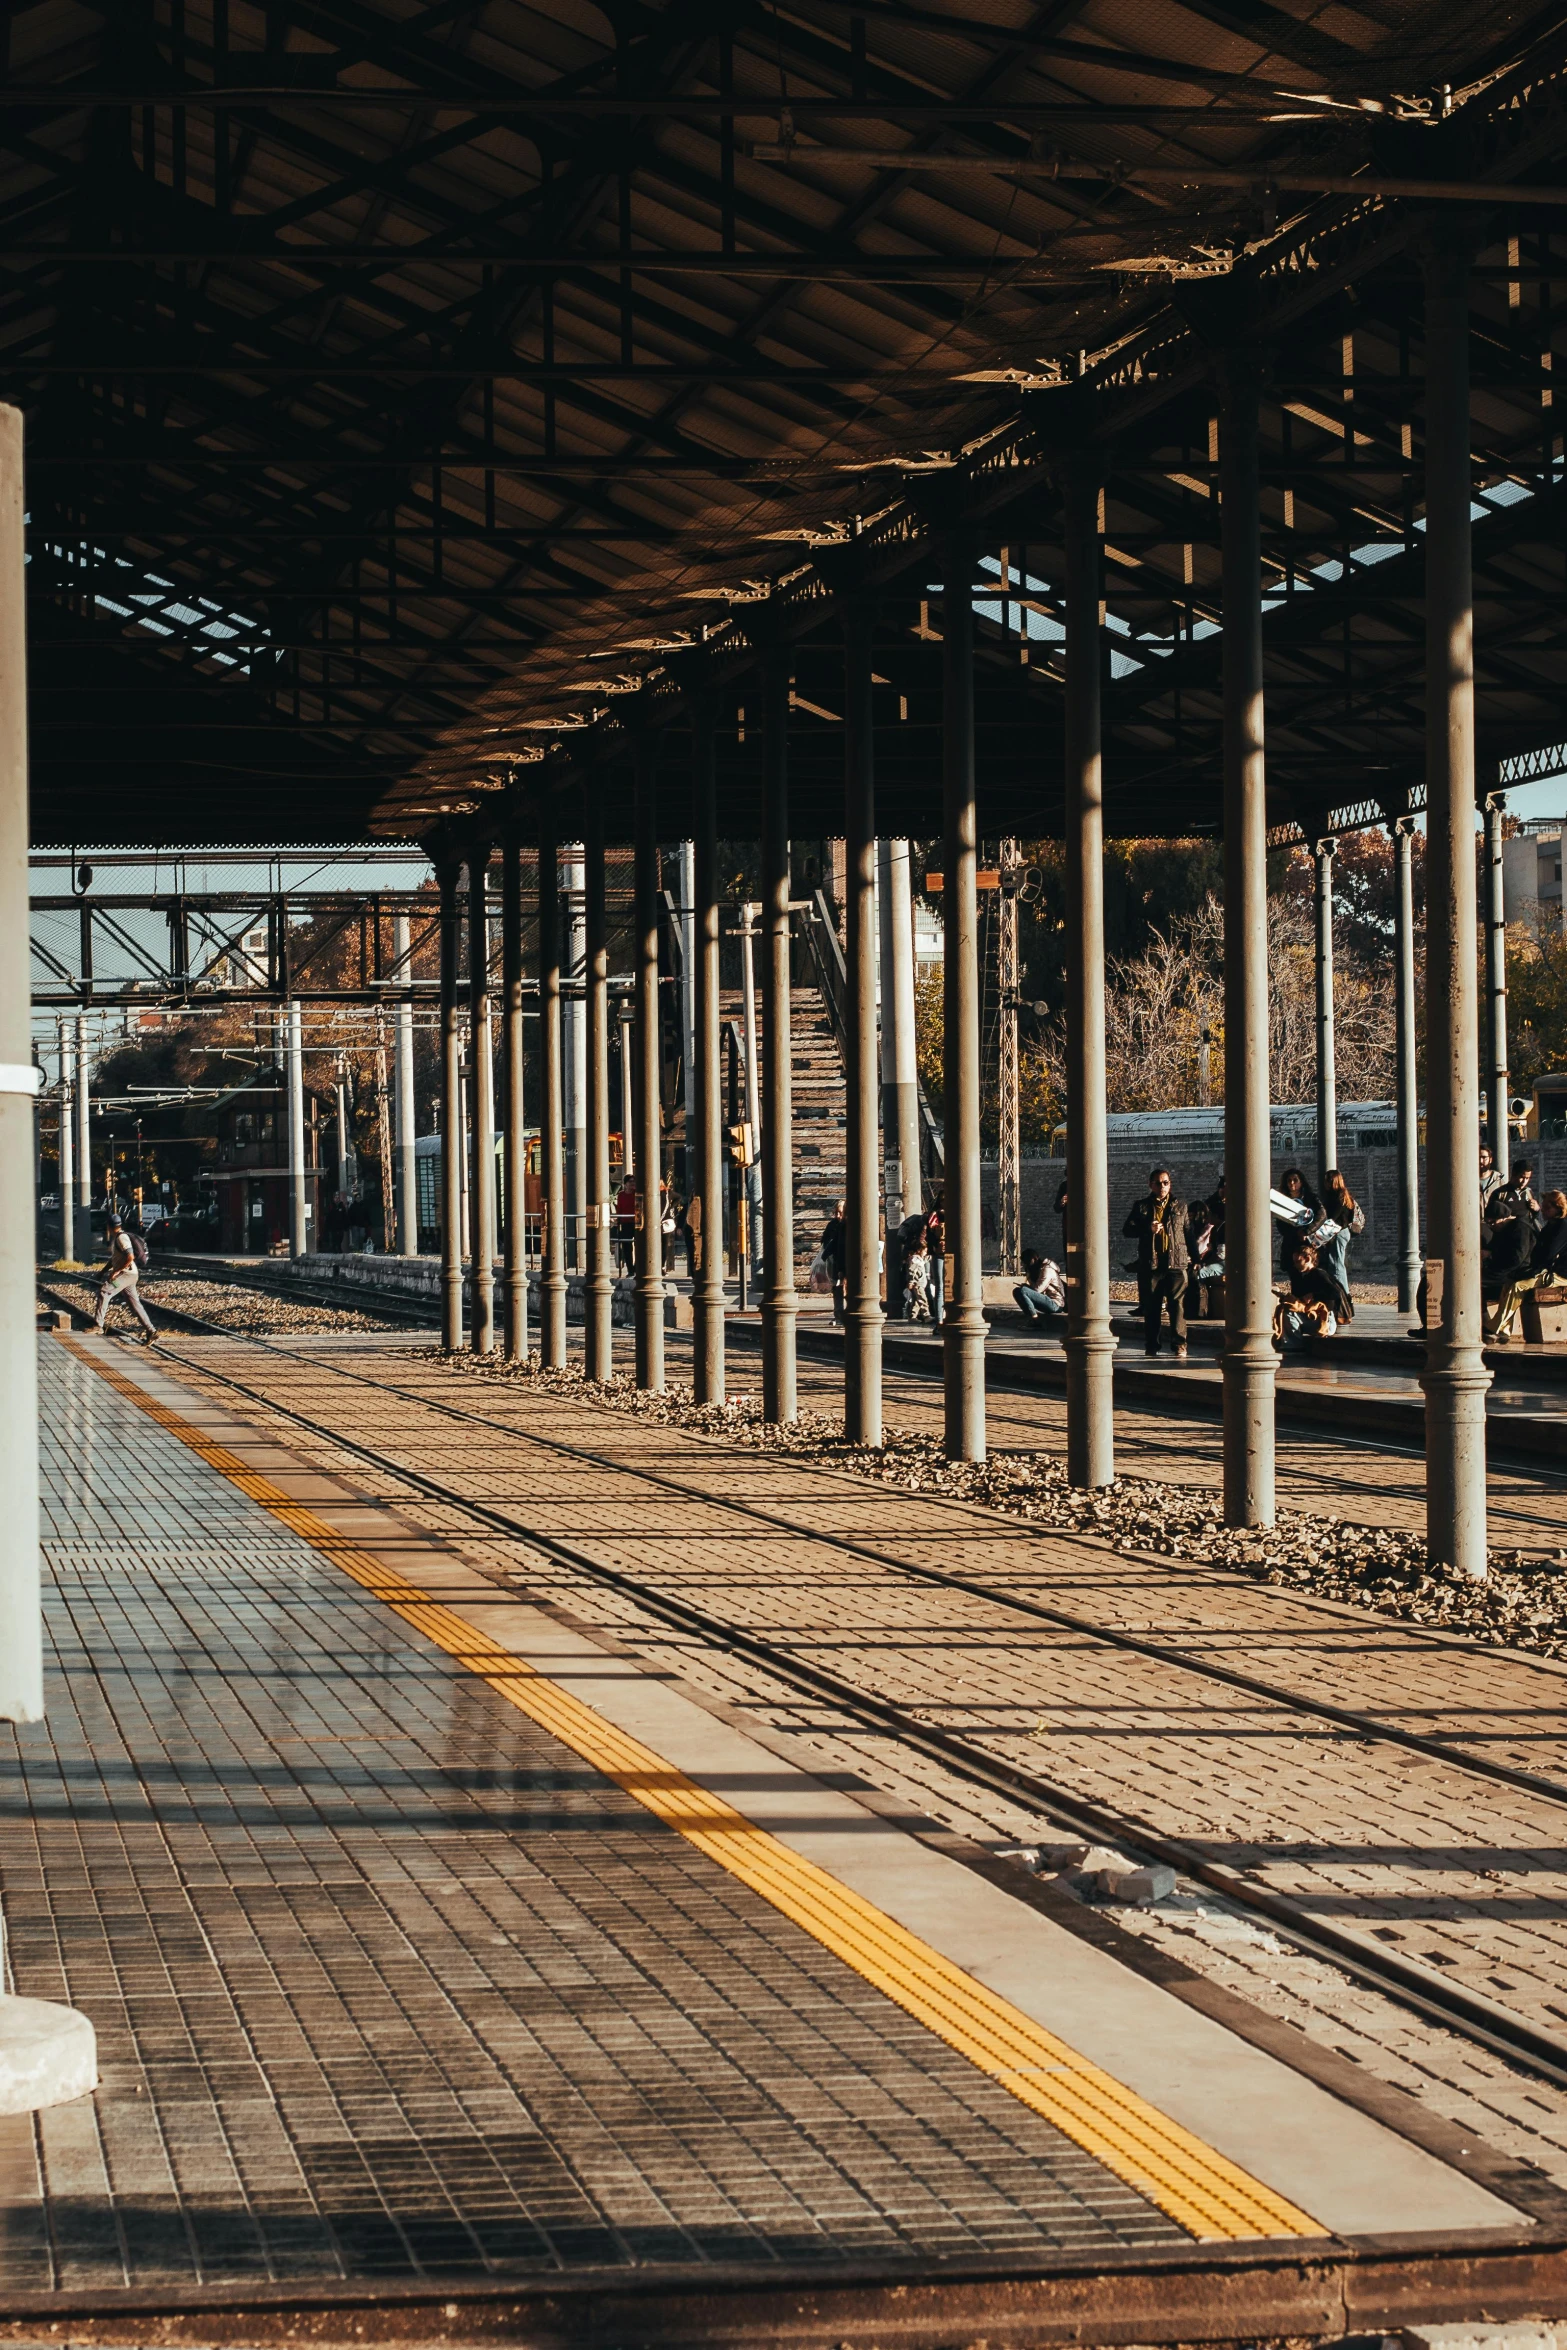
(67, 1168)
(299, 1235)
(407, 1156)
(21, 1636)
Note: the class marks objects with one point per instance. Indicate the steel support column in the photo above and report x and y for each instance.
(900, 1106)
(21, 1653)
(1090, 1344)
(1249, 1366)
(298, 1222)
(779, 1391)
(963, 1326)
(84, 1133)
(1496, 1087)
(407, 1126)
(451, 1118)
(552, 1131)
(481, 1048)
(67, 1147)
(513, 1108)
(862, 1266)
(1327, 1063)
(574, 1056)
(1455, 1377)
(707, 1344)
(649, 1299)
(598, 1344)
(1406, 1079)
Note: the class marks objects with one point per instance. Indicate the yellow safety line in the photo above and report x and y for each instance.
(1206, 2193)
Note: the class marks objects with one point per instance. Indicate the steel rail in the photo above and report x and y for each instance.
(1448, 2004)
(1342, 1717)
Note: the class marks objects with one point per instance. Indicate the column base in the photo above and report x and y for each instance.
(707, 1346)
(963, 1381)
(863, 1325)
(780, 1385)
(48, 2054)
(1455, 1390)
(1090, 1408)
(1250, 1372)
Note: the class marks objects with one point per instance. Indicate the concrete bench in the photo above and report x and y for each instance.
(1544, 1316)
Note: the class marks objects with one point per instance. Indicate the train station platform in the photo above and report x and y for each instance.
(442, 1950)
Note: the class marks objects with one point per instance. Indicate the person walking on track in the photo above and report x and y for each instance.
(119, 1279)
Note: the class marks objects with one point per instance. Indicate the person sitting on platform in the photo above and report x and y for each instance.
(1158, 1225)
(1041, 1294)
(1509, 1245)
(1546, 1269)
(1311, 1304)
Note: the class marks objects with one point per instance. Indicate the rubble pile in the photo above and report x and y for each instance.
(1521, 1603)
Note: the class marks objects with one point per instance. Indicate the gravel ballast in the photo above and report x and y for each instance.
(1521, 1602)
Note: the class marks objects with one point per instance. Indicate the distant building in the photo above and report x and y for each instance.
(1532, 872)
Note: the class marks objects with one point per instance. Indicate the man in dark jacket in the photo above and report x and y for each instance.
(1158, 1225)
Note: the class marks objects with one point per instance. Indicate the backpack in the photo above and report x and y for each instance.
(139, 1249)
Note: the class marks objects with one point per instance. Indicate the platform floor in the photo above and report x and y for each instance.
(392, 1982)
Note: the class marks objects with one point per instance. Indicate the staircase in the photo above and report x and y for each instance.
(817, 1084)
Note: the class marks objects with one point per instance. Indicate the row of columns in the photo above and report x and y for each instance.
(1455, 1378)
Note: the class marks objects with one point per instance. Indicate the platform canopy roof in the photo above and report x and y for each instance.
(424, 396)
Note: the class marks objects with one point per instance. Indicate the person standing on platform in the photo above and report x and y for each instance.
(833, 1249)
(1341, 1209)
(1158, 1225)
(936, 1250)
(1293, 1184)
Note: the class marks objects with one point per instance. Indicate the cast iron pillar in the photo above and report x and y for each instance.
(1090, 1343)
(298, 1221)
(481, 1048)
(1455, 1377)
(513, 1109)
(707, 1343)
(649, 1296)
(407, 1131)
(552, 1129)
(451, 1119)
(84, 1133)
(862, 1303)
(1249, 1362)
(1407, 1065)
(67, 1151)
(598, 1344)
(21, 1637)
(1327, 1064)
(963, 1326)
(900, 1102)
(780, 1401)
(1496, 987)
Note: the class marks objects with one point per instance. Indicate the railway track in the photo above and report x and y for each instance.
(1412, 1985)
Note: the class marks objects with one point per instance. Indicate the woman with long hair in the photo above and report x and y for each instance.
(1293, 1184)
(1342, 1210)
